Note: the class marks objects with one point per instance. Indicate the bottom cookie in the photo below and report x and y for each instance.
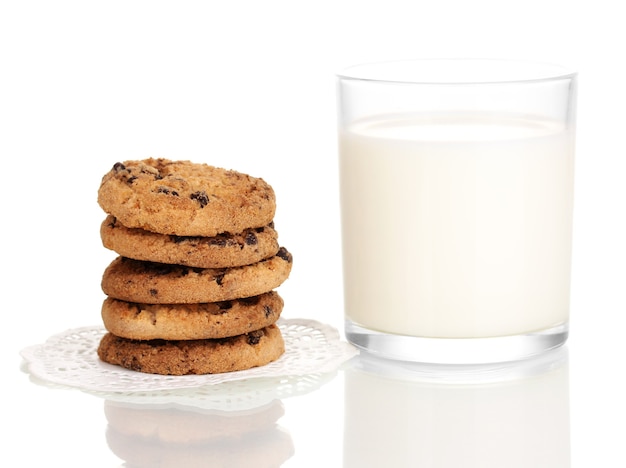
(187, 357)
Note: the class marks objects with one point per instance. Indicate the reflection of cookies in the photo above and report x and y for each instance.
(224, 250)
(159, 283)
(270, 448)
(185, 198)
(176, 425)
(147, 436)
(190, 321)
(185, 357)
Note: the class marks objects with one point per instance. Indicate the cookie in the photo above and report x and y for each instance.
(190, 321)
(221, 251)
(187, 357)
(160, 283)
(184, 198)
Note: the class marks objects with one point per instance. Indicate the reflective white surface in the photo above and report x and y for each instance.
(514, 416)
(554, 411)
(250, 85)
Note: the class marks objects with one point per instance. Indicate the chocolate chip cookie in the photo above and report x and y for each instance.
(185, 357)
(221, 251)
(185, 199)
(190, 321)
(159, 283)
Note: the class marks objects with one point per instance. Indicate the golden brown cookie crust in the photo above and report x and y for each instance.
(194, 356)
(158, 283)
(221, 251)
(190, 321)
(184, 198)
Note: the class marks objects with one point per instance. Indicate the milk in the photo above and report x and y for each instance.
(456, 226)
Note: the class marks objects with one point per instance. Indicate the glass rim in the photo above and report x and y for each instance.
(456, 71)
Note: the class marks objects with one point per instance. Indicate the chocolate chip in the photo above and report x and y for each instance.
(201, 197)
(251, 238)
(131, 179)
(154, 292)
(134, 364)
(220, 241)
(285, 255)
(255, 337)
(219, 278)
(167, 191)
(118, 166)
(268, 311)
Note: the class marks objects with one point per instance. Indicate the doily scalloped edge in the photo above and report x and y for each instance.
(69, 359)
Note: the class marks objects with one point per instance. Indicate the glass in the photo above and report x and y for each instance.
(456, 181)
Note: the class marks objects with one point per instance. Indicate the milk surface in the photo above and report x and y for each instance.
(456, 226)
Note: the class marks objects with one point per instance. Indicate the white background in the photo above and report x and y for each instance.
(249, 85)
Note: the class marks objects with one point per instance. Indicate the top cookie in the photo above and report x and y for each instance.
(184, 198)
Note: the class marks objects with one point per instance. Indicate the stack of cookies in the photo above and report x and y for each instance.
(192, 290)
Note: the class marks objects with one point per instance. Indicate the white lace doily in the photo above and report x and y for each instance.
(312, 351)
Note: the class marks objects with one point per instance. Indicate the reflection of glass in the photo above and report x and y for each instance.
(168, 436)
(402, 415)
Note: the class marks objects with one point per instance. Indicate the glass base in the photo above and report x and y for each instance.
(455, 350)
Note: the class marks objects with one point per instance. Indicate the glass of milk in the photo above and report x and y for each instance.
(456, 180)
